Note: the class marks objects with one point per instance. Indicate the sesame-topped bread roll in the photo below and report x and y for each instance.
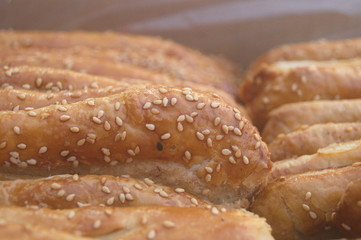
(179, 138)
(287, 82)
(333, 156)
(348, 213)
(149, 222)
(310, 139)
(152, 53)
(301, 206)
(293, 116)
(72, 191)
(317, 51)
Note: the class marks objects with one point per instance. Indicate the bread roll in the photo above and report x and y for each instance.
(300, 206)
(179, 138)
(309, 140)
(150, 222)
(148, 52)
(72, 191)
(334, 156)
(288, 82)
(290, 117)
(348, 213)
(317, 50)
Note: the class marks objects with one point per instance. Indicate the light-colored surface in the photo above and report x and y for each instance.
(238, 29)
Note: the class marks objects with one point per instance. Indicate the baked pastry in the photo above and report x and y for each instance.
(300, 206)
(308, 140)
(348, 213)
(316, 50)
(179, 138)
(152, 222)
(152, 53)
(291, 117)
(72, 191)
(287, 82)
(332, 156)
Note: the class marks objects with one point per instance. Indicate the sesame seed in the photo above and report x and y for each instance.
(107, 126)
(74, 129)
(238, 116)
(173, 101)
(218, 168)
(137, 150)
(50, 96)
(232, 160)
(188, 155)
(165, 102)
(97, 120)
(110, 201)
(137, 186)
(194, 114)
(94, 85)
(38, 82)
(209, 169)
(179, 190)
(237, 131)
(64, 153)
(241, 125)
(200, 106)
(75, 177)
(217, 121)
(215, 104)
(245, 160)
(97, 224)
(313, 215)
(16, 130)
(163, 90)
(165, 136)
(147, 105)
(131, 152)
(62, 109)
(226, 152)
(238, 154)
(105, 151)
(168, 224)
(265, 100)
(3, 145)
(100, 114)
(209, 142)
(215, 211)
(43, 149)
(71, 159)
(346, 227)
(31, 161)
(91, 103)
(181, 118)
(21, 96)
(32, 114)
(124, 134)
(219, 137)
(81, 142)
(70, 197)
(148, 181)
(55, 186)
(117, 106)
(306, 207)
(180, 127)
(64, 118)
(122, 197)
(308, 195)
(189, 98)
(151, 234)
(200, 136)
(154, 111)
(129, 197)
(105, 189)
(208, 177)
(16, 108)
(157, 102)
(194, 201)
(225, 129)
(107, 159)
(189, 119)
(163, 194)
(150, 126)
(71, 214)
(108, 211)
(206, 132)
(61, 193)
(21, 146)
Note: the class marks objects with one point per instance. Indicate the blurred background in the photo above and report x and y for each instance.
(237, 29)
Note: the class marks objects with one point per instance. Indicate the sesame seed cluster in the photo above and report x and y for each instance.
(305, 98)
(124, 136)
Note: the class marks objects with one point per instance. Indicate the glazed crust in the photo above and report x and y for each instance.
(284, 83)
(208, 142)
(289, 117)
(332, 156)
(309, 140)
(148, 52)
(72, 191)
(348, 214)
(300, 206)
(144, 222)
(317, 50)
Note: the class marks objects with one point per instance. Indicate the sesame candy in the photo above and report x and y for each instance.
(150, 127)
(165, 136)
(43, 149)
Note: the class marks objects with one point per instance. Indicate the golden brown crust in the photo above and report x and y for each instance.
(332, 156)
(348, 214)
(289, 117)
(72, 191)
(317, 50)
(145, 222)
(300, 206)
(209, 143)
(284, 83)
(155, 54)
(309, 140)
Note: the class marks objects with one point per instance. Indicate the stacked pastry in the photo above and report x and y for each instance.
(111, 136)
(305, 99)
